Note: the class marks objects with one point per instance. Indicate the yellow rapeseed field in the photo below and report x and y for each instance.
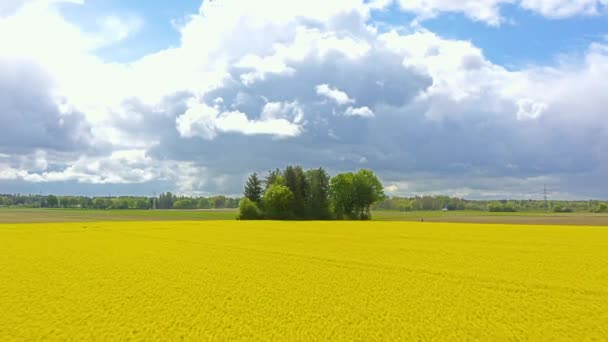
(291, 281)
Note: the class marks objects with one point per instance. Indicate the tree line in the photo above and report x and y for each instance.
(416, 203)
(298, 194)
(164, 201)
(430, 203)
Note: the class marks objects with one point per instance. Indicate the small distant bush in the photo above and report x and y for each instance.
(561, 209)
(248, 210)
(497, 207)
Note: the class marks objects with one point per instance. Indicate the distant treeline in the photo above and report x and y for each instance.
(420, 203)
(164, 201)
(296, 194)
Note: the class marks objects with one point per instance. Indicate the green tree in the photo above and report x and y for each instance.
(278, 202)
(142, 203)
(559, 208)
(248, 210)
(219, 202)
(85, 202)
(203, 203)
(367, 190)
(71, 202)
(341, 195)
(183, 203)
(232, 202)
(295, 180)
(509, 207)
(495, 207)
(119, 203)
(253, 189)
(165, 201)
(601, 208)
(52, 201)
(353, 194)
(318, 200)
(272, 178)
(132, 202)
(427, 203)
(100, 203)
(64, 201)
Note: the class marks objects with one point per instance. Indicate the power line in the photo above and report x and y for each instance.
(546, 193)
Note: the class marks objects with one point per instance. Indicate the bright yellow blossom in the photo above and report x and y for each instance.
(291, 281)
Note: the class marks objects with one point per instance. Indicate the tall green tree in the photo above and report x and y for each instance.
(353, 194)
(341, 195)
(295, 180)
(253, 189)
(272, 178)
(367, 190)
(318, 198)
(165, 201)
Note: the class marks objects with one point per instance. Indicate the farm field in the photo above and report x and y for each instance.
(21, 215)
(10, 215)
(526, 218)
(231, 280)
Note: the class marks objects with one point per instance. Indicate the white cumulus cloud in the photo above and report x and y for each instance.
(334, 94)
(207, 122)
(361, 111)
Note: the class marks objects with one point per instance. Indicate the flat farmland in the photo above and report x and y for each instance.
(525, 218)
(21, 215)
(231, 280)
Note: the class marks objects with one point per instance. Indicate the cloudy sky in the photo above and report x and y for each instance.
(474, 98)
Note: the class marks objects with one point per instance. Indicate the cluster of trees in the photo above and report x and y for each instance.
(419, 203)
(164, 201)
(170, 201)
(296, 194)
(427, 203)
